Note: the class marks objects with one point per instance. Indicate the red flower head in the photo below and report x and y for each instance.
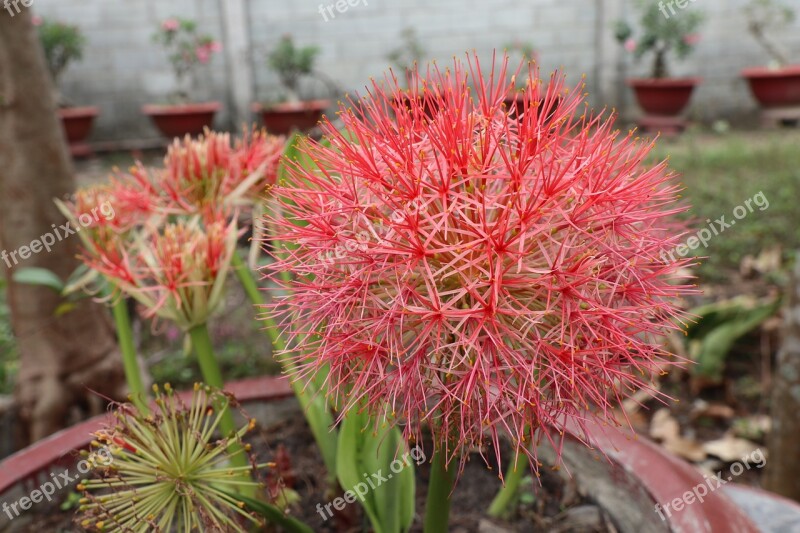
(207, 175)
(194, 170)
(254, 165)
(482, 271)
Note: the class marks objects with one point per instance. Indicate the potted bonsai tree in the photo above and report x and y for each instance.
(660, 95)
(62, 45)
(527, 53)
(187, 50)
(292, 63)
(404, 60)
(776, 85)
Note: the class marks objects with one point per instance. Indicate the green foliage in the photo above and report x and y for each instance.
(720, 173)
(769, 14)
(62, 44)
(525, 49)
(292, 62)
(764, 17)
(406, 56)
(390, 504)
(39, 276)
(660, 34)
(186, 49)
(9, 358)
(718, 327)
(273, 515)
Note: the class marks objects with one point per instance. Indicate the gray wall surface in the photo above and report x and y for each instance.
(123, 68)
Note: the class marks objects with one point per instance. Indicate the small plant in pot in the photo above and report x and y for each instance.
(404, 60)
(187, 50)
(63, 44)
(292, 63)
(527, 53)
(660, 95)
(776, 85)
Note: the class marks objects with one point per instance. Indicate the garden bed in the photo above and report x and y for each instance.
(557, 506)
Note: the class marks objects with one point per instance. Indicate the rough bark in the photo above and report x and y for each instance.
(783, 468)
(64, 361)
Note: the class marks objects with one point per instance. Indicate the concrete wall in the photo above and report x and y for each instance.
(124, 69)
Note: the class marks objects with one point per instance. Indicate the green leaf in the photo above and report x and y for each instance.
(39, 276)
(720, 325)
(389, 504)
(274, 515)
(394, 499)
(320, 421)
(64, 308)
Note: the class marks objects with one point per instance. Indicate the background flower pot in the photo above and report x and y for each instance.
(663, 97)
(516, 104)
(181, 120)
(774, 87)
(77, 123)
(281, 119)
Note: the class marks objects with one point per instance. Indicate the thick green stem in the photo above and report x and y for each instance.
(212, 375)
(311, 401)
(437, 505)
(250, 287)
(129, 362)
(512, 478)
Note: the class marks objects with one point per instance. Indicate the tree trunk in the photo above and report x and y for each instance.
(783, 468)
(65, 361)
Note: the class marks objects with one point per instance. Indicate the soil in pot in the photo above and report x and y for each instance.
(555, 507)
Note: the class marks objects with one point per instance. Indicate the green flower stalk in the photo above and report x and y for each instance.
(168, 472)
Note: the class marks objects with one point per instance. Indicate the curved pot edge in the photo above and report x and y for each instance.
(78, 111)
(664, 82)
(766, 72)
(181, 109)
(28, 461)
(303, 106)
(666, 478)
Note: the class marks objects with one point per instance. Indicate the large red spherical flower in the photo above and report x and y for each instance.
(480, 269)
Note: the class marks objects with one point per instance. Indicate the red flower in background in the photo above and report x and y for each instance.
(515, 278)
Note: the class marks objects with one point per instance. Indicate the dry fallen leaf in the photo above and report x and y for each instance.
(730, 448)
(711, 410)
(665, 428)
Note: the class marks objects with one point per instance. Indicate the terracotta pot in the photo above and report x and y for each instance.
(663, 97)
(181, 120)
(405, 98)
(774, 87)
(282, 118)
(77, 122)
(516, 104)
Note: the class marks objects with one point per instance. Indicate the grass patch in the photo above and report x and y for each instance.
(721, 172)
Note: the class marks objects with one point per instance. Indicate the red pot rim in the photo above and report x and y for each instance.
(767, 72)
(305, 105)
(50, 450)
(666, 478)
(181, 109)
(82, 111)
(664, 82)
